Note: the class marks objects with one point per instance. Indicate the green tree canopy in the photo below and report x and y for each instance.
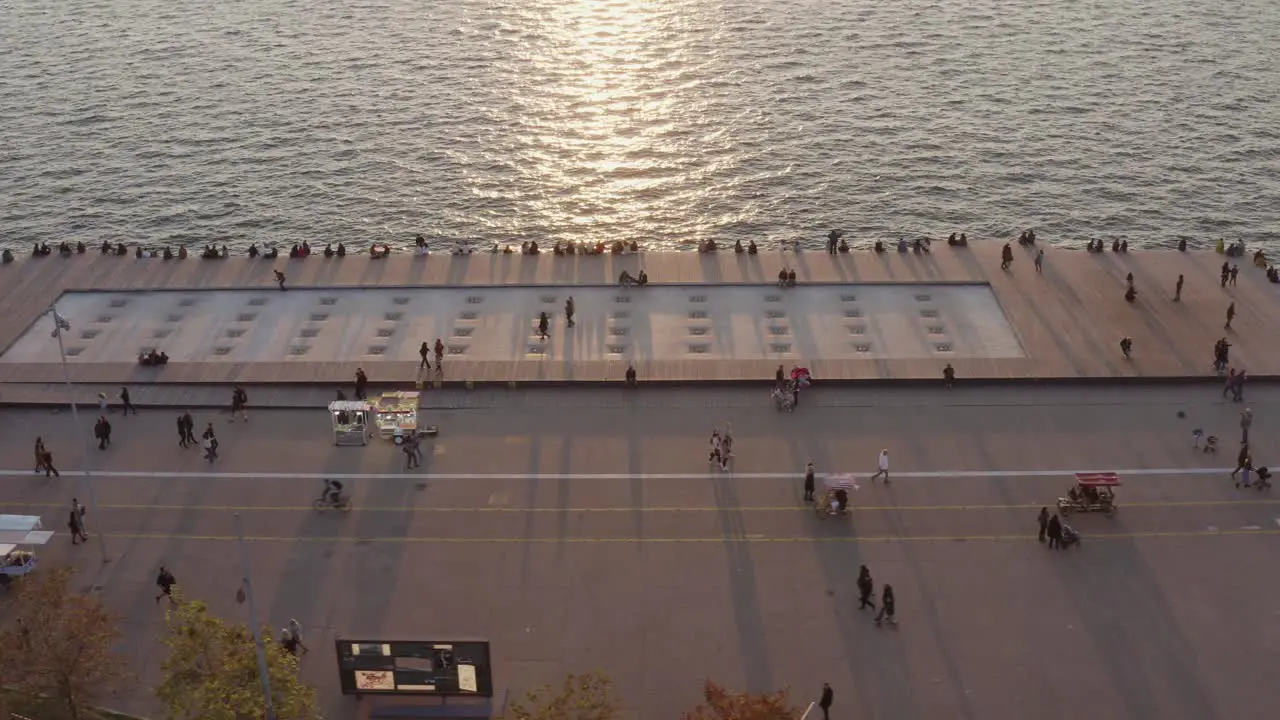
(211, 672)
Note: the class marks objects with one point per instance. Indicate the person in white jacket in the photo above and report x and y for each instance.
(884, 466)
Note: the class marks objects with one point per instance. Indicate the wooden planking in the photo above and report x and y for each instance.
(1069, 319)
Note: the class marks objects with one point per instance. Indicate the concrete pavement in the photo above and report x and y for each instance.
(583, 530)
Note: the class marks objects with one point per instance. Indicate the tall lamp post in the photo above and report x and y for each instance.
(246, 584)
(61, 325)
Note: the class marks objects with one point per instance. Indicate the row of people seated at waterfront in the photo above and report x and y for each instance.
(1117, 246)
(626, 279)
(786, 278)
(918, 246)
(151, 357)
(1027, 237)
(962, 241)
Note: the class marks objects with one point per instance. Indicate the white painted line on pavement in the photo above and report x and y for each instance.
(926, 474)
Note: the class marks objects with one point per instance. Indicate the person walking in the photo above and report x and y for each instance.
(361, 381)
(190, 424)
(1244, 473)
(1040, 260)
(79, 511)
(39, 454)
(866, 589)
(102, 431)
(808, 482)
(280, 280)
(1235, 270)
(1177, 290)
(884, 467)
(886, 606)
(182, 431)
(210, 444)
(1231, 315)
(423, 352)
(126, 404)
(1055, 533)
(1006, 257)
(104, 406)
(568, 312)
(288, 642)
(49, 469)
(543, 324)
(239, 404)
(1226, 273)
(1246, 421)
(165, 580)
(439, 356)
(77, 528)
(1242, 459)
(1044, 523)
(824, 702)
(295, 629)
(411, 457)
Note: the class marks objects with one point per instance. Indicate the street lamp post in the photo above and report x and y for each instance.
(247, 584)
(61, 325)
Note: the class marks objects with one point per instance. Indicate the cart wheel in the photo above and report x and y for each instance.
(320, 505)
(1111, 510)
(344, 505)
(399, 440)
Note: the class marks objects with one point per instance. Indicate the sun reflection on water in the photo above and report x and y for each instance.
(615, 139)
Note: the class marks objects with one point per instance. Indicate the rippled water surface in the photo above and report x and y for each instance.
(664, 121)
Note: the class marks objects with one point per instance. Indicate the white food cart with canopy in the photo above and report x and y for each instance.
(19, 536)
(397, 414)
(351, 420)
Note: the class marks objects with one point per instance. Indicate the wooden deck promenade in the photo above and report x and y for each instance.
(1069, 319)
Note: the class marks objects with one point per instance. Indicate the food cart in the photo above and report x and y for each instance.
(351, 421)
(19, 535)
(396, 414)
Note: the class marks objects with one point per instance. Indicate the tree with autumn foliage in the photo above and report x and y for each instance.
(211, 672)
(60, 643)
(720, 704)
(579, 697)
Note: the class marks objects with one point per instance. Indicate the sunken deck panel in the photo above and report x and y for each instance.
(1069, 319)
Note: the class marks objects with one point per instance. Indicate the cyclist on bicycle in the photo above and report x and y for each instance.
(332, 492)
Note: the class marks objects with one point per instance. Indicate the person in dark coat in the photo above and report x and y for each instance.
(825, 701)
(866, 588)
(102, 431)
(76, 526)
(808, 482)
(1044, 523)
(886, 606)
(361, 381)
(1055, 533)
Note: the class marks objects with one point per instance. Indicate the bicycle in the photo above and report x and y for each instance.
(324, 503)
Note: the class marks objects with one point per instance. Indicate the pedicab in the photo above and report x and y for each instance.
(1093, 492)
(19, 535)
(834, 498)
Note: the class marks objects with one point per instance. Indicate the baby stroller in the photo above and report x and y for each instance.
(1264, 478)
(1069, 536)
(834, 499)
(1210, 442)
(782, 398)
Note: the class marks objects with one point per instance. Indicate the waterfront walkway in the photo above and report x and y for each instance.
(1067, 321)
(582, 530)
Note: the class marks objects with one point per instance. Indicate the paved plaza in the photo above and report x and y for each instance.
(487, 324)
(581, 529)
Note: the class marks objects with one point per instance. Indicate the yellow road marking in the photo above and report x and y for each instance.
(689, 540)
(654, 509)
